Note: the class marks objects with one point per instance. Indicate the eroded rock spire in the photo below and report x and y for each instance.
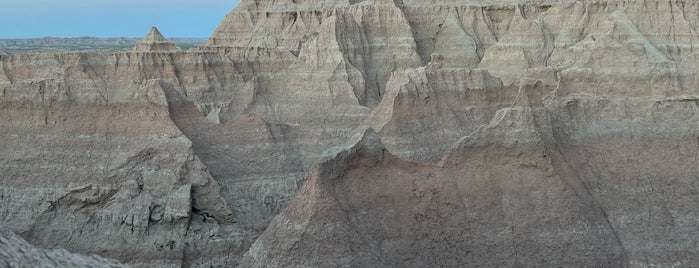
(154, 41)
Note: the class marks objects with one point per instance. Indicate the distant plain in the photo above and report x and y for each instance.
(86, 44)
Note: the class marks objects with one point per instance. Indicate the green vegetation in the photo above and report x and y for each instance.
(86, 44)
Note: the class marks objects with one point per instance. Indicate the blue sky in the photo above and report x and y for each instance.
(110, 18)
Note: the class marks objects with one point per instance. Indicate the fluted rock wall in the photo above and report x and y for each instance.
(452, 133)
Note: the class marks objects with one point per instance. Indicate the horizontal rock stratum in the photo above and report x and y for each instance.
(374, 133)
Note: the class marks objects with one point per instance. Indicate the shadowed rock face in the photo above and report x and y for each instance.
(369, 133)
(494, 200)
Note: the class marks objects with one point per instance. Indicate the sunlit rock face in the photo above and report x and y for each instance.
(375, 133)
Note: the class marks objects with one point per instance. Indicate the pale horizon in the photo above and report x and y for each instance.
(111, 18)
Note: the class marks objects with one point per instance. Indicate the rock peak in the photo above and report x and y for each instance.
(154, 36)
(154, 41)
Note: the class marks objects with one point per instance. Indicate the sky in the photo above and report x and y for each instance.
(110, 18)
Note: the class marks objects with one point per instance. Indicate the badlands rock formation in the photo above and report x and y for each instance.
(368, 133)
(15, 252)
(154, 41)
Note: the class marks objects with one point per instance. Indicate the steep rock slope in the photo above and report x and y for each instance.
(15, 252)
(154, 41)
(569, 129)
(93, 163)
(495, 200)
(426, 110)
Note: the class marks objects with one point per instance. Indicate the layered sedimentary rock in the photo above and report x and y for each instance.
(117, 171)
(15, 252)
(399, 133)
(154, 41)
(474, 208)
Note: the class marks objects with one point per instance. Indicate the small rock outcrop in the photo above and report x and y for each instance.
(17, 253)
(154, 41)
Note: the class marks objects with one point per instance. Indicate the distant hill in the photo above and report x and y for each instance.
(86, 43)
